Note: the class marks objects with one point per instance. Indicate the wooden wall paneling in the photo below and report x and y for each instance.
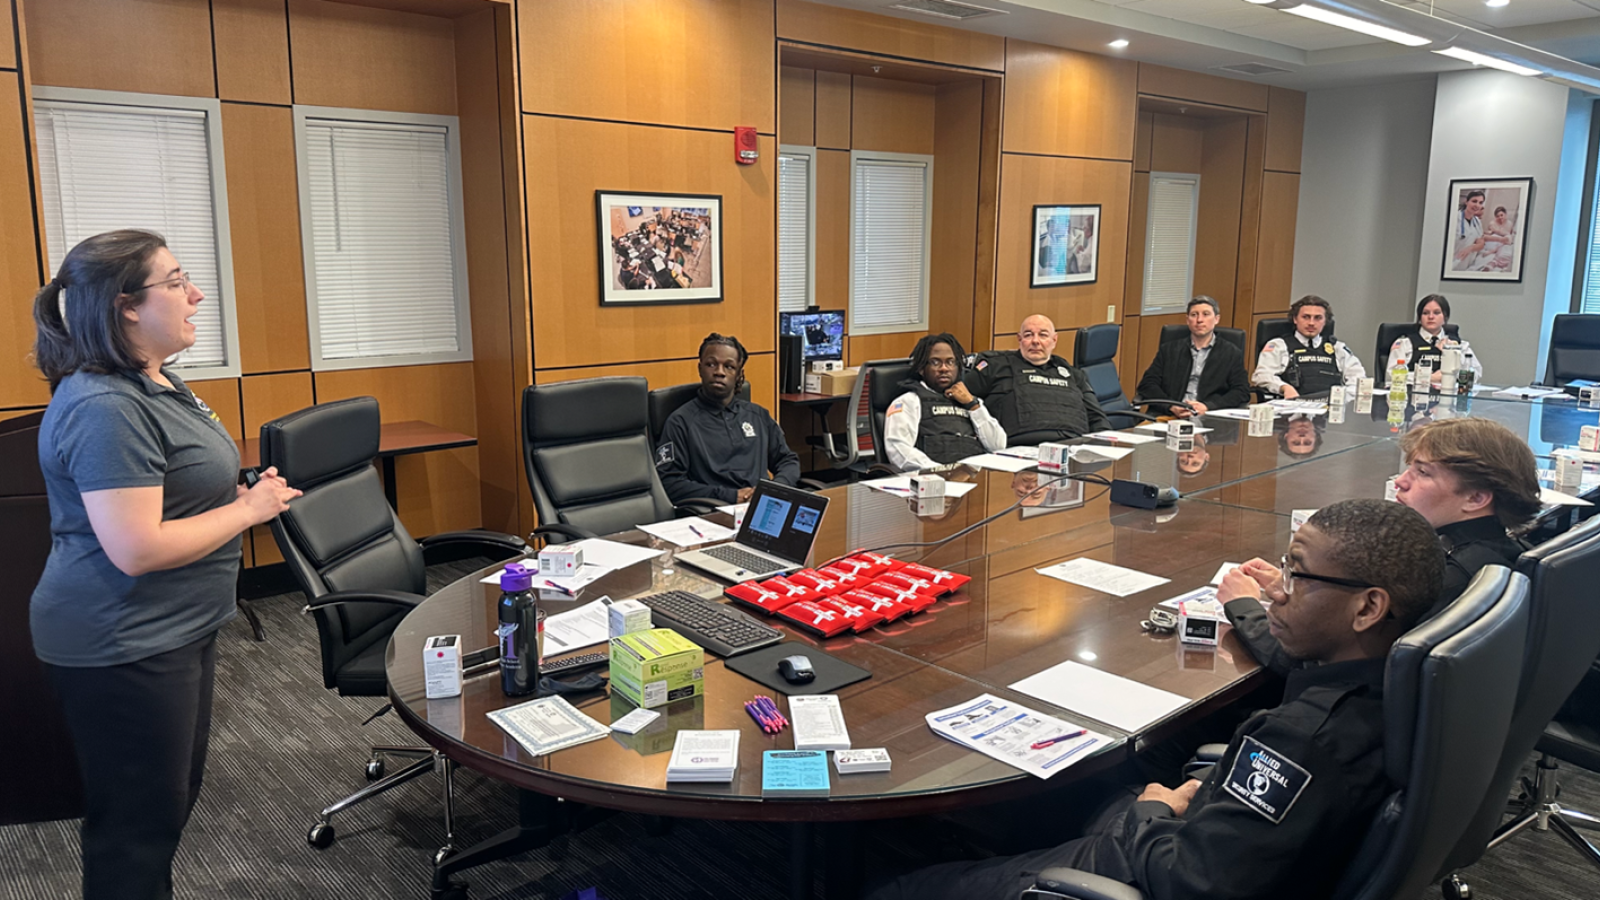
(1029, 180)
(1007, 340)
(1138, 225)
(1286, 126)
(893, 345)
(1222, 161)
(566, 161)
(1179, 84)
(20, 270)
(797, 106)
(8, 47)
(833, 229)
(489, 266)
(264, 219)
(364, 58)
(252, 45)
(438, 491)
(988, 217)
(666, 62)
(1175, 143)
(1244, 291)
(222, 395)
(833, 97)
(1066, 103)
(1142, 135)
(149, 46)
(761, 370)
(267, 397)
(958, 136)
(891, 116)
(1280, 200)
(832, 26)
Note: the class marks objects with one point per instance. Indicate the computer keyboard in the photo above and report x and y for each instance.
(744, 559)
(713, 625)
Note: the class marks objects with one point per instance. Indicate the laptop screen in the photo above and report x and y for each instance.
(782, 520)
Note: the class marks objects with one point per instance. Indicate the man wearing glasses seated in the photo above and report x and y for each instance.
(1285, 809)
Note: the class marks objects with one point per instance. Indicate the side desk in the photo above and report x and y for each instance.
(395, 439)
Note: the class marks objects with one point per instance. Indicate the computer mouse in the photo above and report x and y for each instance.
(797, 669)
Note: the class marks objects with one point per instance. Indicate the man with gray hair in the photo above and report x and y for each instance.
(1036, 395)
(1204, 372)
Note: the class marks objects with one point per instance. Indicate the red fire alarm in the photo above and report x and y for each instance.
(744, 146)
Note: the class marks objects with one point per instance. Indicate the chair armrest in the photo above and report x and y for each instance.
(1072, 884)
(1210, 753)
(557, 528)
(492, 543)
(339, 598)
(1132, 414)
(698, 506)
(811, 484)
(881, 468)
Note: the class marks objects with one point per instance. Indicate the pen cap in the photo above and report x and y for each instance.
(516, 578)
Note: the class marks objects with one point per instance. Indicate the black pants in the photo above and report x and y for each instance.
(141, 730)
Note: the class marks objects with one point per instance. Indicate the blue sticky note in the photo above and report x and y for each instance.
(794, 772)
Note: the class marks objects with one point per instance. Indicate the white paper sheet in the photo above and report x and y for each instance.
(1556, 498)
(1020, 452)
(900, 486)
(612, 555)
(999, 463)
(1209, 592)
(1241, 414)
(690, 531)
(575, 629)
(569, 584)
(1160, 428)
(1532, 392)
(1105, 577)
(1107, 698)
(1299, 407)
(1006, 731)
(1122, 437)
(1222, 572)
(1099, 453)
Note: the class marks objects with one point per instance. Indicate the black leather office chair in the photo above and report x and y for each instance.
(1094, 351)
(359, 568)
(1234, 336)
(883, 378)
(1574, 350)
(1389, 332)
(1561, 649)
(665, 401)
(1449, 688)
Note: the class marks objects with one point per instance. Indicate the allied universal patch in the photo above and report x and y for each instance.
(749, 430)
(664, 454)
(1266, 780)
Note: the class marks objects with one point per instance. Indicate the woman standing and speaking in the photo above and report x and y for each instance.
(146, 515)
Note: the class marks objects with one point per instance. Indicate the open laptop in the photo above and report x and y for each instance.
(779, 527)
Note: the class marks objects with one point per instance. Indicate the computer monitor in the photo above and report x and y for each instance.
(821, 333)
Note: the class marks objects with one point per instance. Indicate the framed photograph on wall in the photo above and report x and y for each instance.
(659, 248)
(1485, 232)
(1066, 245)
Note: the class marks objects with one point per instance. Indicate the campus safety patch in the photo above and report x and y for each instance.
(664, 454)
(1063, 371)
(1266, 780)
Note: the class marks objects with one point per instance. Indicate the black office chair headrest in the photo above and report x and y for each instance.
(886, 376)
(666, 401)
(322, 442)
(1574, 329)
(1096, 344)
(586, 410)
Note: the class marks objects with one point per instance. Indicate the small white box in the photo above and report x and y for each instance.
(813, 383)
(1336, 414)
(826, 365)
(441, 666)
(926, 486)
(1390, 492)
(1299, 517)
(1424, 375)
(1200, 622)
(1053, 457)
(1180, 436)
(628, 616)
(1589, 437)
(1261, 416)
(1363, 404)
(930, 506)
(1569, 473)
(1366, 386)
(1589, 395)
(854, 762)
(1336, 396)
(560, 560)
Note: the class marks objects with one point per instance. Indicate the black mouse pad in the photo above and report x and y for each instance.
(762, 665)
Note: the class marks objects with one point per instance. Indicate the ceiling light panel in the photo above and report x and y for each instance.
(1351, 23)
(1483, 59)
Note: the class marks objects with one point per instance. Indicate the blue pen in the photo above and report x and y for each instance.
(1040, 745)
(696, 531)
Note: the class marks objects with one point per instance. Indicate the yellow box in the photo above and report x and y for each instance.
(657, 666)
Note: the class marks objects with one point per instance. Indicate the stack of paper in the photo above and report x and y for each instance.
(1033, 742)
(854, 762)
(901, 485)
(999, 463)
(794, 773)
(1122, 437)
(688, 532)
(1112, 699)
(818, 723)
(548, 724)
(1100, 576)
(704, 756)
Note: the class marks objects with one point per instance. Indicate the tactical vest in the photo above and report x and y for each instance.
(1313, 369)
(1429, 350)
(946, 433)
(1046, 401)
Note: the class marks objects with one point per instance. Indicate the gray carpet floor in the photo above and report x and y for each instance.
(282, 747)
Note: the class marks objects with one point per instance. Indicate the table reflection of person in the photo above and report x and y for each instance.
(1193, 462)
(1299, 435)
(1467, 233)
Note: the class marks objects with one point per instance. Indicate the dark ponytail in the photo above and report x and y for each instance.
(95, 283)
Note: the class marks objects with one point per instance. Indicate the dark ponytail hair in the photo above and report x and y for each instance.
(98, 279)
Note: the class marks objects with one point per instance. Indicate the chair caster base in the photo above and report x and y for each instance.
(321, 836)
(1454, 888)
(454, 890)
(375, 768)
(442, 854)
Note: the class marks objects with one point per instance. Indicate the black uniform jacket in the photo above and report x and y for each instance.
(1287, 807)
(1049, 402)
(711, 450)
(1224, 384)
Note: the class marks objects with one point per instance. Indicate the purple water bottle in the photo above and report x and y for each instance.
(518, 632)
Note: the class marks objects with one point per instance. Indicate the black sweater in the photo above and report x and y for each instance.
(1224, 384)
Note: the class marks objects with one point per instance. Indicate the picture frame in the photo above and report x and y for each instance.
(1066, 245)
(1485, 237)
(659, 248)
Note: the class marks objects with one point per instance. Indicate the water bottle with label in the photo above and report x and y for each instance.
(1466, 375)
(520, 632)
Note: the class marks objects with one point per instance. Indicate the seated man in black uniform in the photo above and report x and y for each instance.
(1284, 811)
(1470, 478)
(718, 446)
(1036, 395)
(937, 421)
(1307, 362)
(1203, 371)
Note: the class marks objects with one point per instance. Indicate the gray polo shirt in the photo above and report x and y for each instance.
(124, 431)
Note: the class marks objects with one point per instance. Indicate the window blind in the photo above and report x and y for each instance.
(889, 244)
(1591, 276)
(1169, 242)
(102, 168)
(794, 230)
(380, 240)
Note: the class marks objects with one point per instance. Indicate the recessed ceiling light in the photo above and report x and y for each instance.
(1483, 59)
(1118, 44)
(1317, 13)
(1496, 3)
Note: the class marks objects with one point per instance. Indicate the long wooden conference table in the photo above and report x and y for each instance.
(1008, 623)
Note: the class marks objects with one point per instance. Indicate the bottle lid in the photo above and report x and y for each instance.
(517, 577)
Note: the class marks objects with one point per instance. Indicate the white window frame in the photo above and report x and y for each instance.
(1178, 306)
(810, 155)
(458, 237)
(121, 101)
(857, 157)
